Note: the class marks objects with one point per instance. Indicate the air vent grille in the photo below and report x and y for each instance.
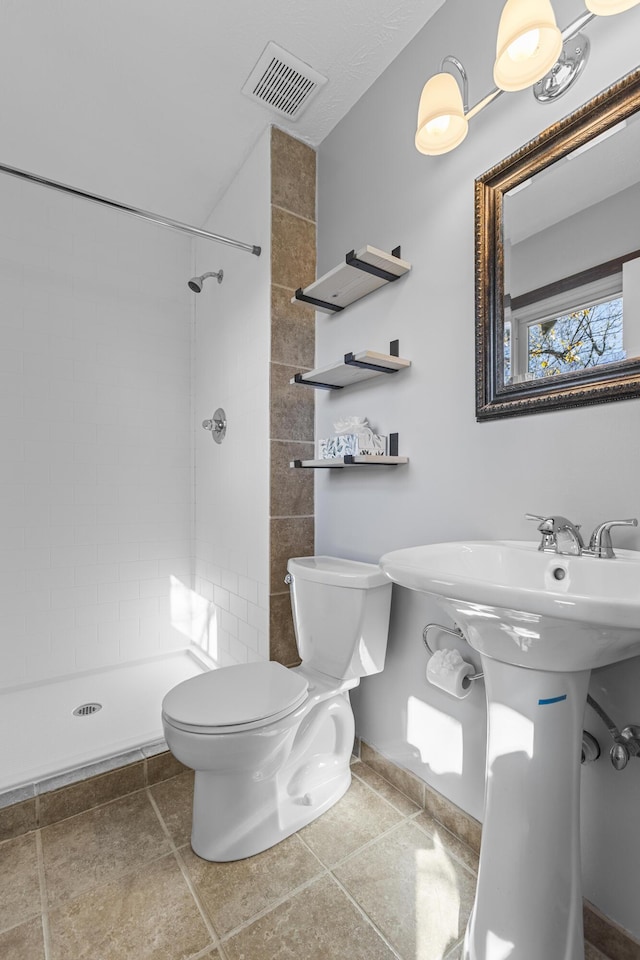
(282, 82)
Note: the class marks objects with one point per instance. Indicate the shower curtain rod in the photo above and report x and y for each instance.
(125, 208)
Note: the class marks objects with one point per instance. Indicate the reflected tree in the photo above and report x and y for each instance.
(584, 338)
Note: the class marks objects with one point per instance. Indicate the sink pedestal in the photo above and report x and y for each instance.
(541, 622)
(529, 896)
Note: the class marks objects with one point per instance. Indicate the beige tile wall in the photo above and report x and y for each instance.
(293, 265)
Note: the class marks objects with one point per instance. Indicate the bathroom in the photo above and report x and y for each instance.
(372, 188)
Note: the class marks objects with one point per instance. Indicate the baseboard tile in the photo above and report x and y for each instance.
(610, 938)
(55, 799)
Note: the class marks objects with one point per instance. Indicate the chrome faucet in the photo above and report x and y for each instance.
(560, 535)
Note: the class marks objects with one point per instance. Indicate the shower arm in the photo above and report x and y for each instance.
(125, 208)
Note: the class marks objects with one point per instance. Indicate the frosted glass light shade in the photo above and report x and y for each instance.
(603, 8)
(442, 124)
(529, 43)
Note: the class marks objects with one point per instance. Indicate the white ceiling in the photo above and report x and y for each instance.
(139, 100)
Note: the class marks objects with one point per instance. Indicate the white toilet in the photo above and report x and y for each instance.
(271, 746)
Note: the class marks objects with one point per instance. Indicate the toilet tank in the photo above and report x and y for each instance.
(340, 614)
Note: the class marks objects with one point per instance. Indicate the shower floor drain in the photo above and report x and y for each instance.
(86, 709)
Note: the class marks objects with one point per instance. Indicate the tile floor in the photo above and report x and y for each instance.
(375, 878)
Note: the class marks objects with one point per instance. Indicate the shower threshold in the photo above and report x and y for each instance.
(43, 739)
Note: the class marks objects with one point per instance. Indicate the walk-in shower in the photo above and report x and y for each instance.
(97, 502)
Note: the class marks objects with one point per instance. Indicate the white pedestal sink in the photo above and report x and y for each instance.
(541, 622)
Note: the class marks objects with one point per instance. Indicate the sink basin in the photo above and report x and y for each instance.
(528, 608)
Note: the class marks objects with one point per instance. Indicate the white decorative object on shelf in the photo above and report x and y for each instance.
(354, 437)
(360, 274)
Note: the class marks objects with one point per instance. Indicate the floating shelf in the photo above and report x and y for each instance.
(354, 368)
(360, 274)
(341, 462)
(338, 463)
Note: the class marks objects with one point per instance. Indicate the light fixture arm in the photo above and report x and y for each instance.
(463, 74)
(577, 25)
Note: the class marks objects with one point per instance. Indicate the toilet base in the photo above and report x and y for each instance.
(268, 822)
(240, 812)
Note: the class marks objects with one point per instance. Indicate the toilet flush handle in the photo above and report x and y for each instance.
(288, 579)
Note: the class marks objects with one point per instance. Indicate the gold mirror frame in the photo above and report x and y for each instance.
(616, 381)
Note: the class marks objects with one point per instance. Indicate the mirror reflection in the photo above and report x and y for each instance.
(558, 263)
(571, 236)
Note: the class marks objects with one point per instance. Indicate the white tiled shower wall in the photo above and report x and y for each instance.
(95, 434)
(231, 370)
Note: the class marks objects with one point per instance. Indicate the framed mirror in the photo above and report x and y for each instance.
(557, 234)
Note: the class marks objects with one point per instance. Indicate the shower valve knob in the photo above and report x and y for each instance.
(217, 425)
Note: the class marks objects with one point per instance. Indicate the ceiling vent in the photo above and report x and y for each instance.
(282, 82)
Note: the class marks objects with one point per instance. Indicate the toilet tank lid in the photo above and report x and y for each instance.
(234, 695)
(335, 570)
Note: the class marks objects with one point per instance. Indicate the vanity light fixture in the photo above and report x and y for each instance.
(442, 123)
(531, 51)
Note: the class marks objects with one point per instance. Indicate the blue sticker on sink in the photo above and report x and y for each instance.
(543, 703)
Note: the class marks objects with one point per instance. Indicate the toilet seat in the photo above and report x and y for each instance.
(236, 698)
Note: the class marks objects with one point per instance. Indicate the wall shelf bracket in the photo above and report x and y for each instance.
(352, 260)
(315, 302)
(352, 360)
(300, 378)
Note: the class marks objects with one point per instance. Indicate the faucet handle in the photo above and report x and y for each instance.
(600, 544)
(553, 523)
(534, 516)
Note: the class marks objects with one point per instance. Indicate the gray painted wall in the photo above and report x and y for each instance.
(465, 479)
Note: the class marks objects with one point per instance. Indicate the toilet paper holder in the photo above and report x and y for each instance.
(457, 633)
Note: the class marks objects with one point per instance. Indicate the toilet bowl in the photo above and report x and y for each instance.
(271, 746)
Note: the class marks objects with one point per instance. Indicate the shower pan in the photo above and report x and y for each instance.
(60, 736)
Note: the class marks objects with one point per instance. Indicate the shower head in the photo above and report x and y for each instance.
(196, 283)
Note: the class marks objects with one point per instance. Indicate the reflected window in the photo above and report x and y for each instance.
(564, 333)
(583, 338)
